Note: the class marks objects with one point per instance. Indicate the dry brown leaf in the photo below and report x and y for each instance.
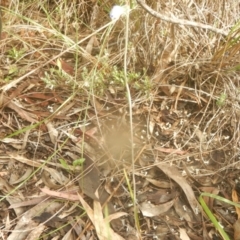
(49, 181)
(90, 44)
(27, 173)
(160, 184)
(77, 223)
(157, 197)
(170, 150)
(5, 187)
(183, 211)
(36, 233)
(25, 138)
(25, 160)
(151, 210)
(101, 224)
(90, 179)
(235, 199)
(2, 174)
(115, 216)
(64, 195)
(200, 135)
(23, 87)
(15, 143)
(16, 200)
(65, 109)
(174, 174)
(56, 174)
(30, 117)
(11, 84)
(69, 236)
(236, 227)
(99, 107)
(151, 126)
(183, 234)
(26, 226)
(180, 89)
(52, 131)
(66, 67)
(27, 203)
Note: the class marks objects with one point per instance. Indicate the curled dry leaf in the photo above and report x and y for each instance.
(5, 187)
(174, 174)
(160, 184)
(27, 173)
(48, 180)
(57, 176)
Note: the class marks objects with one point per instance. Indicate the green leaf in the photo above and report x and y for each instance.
(78, 162)
(64, 164)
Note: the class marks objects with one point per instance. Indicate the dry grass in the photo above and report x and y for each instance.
(64, 98)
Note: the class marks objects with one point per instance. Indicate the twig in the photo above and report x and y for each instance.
(174, 19)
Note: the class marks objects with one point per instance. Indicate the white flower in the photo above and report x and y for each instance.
(117, 11)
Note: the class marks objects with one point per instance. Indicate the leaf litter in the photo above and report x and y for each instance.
(65, 134)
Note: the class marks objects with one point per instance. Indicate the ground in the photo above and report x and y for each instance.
(119, 128)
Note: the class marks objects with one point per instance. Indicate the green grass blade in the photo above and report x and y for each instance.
(211, 216)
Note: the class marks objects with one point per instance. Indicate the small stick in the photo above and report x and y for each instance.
(0, 23)
(174, 19)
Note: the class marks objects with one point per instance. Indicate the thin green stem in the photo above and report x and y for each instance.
(130, 115)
